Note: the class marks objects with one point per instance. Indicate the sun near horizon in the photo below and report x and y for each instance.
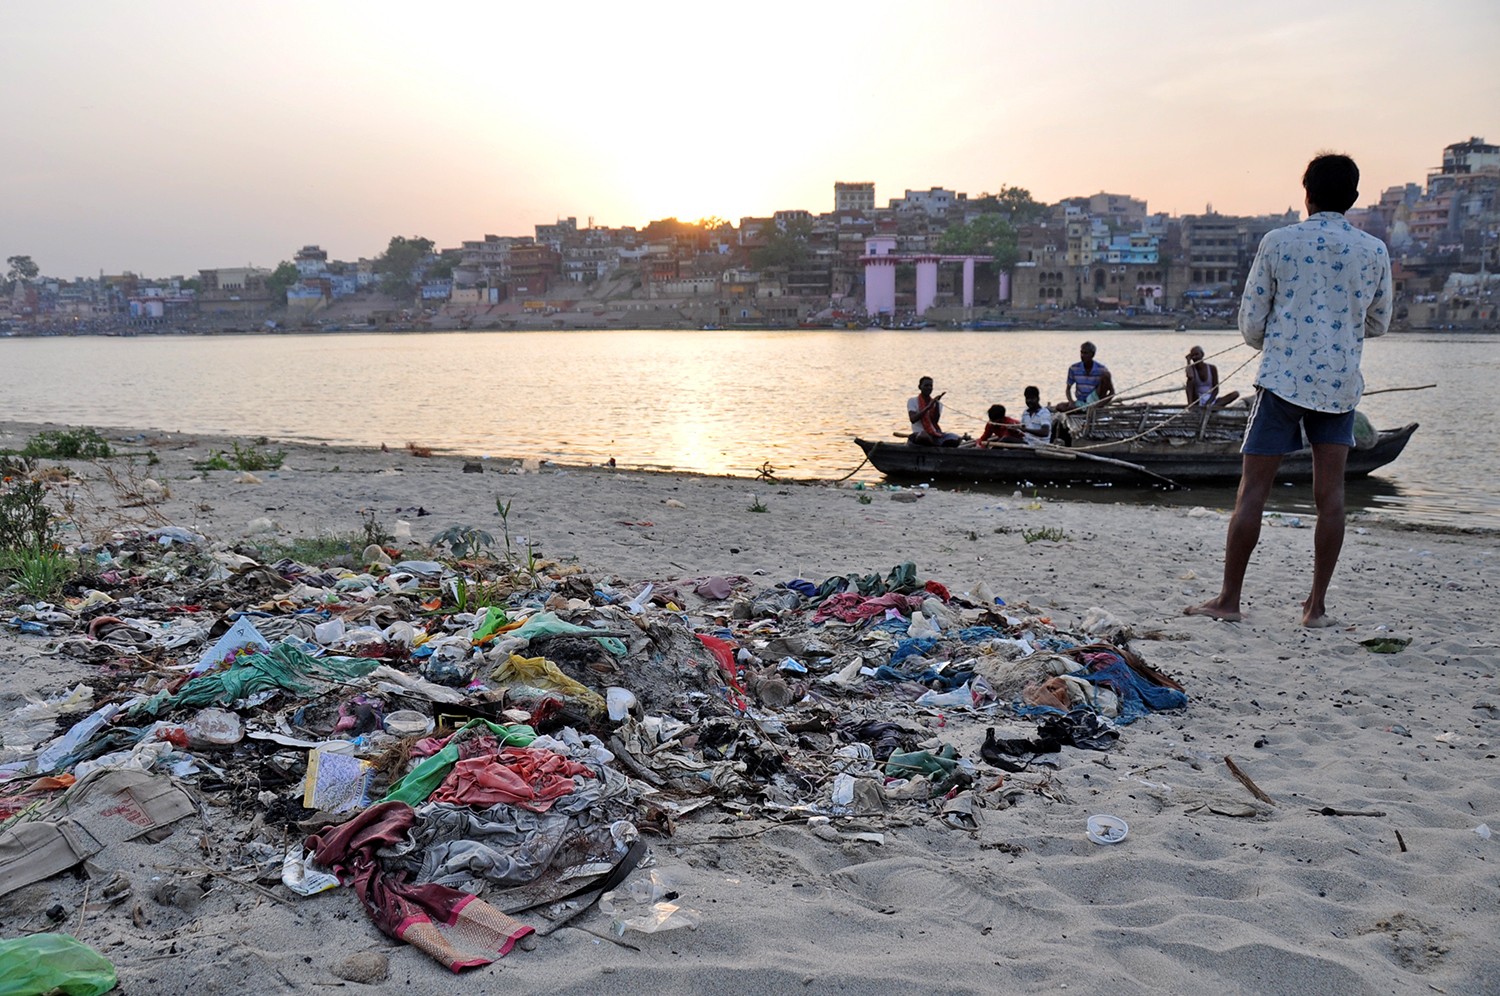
(164, 137)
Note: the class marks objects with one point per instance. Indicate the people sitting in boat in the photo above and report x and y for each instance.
(1089, 382)
(1001, 428)
(1203, 382)
(925, 412)
(1036, 419)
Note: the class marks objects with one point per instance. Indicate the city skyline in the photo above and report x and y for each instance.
(166, 137)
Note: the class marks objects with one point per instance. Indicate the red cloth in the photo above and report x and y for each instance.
(531, 778)
(415, 914)
(1001, 431)
(936, 588)
(849, 607)
(723, 652)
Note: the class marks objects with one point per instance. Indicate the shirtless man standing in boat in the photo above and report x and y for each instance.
(1315, 292)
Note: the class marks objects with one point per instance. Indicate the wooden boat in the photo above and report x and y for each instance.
(1125, 444)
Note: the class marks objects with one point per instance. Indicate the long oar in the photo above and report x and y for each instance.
(1388, 390)
(1063, 453)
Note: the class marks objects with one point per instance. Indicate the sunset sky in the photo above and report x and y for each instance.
(162, 137)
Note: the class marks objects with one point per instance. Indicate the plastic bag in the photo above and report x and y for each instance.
(660, 917)
(35, 721)
(643, 904)
(44, 963)
(921, 626)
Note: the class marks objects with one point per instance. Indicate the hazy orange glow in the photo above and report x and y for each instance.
(164, 136)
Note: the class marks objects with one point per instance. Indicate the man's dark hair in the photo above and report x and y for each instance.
(997, 412)
(1030, 390)
(1332, 182)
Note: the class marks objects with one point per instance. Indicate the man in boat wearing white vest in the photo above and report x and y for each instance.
(1315, 292)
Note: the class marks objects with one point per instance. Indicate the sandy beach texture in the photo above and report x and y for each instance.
(1213, 890)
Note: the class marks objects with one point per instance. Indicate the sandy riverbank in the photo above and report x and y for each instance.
(1274, 898)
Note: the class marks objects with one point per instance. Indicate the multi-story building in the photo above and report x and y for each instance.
(1461, 158)
(1119, 210)
(234, 290)
(934, 203)
(563, 232)
(850, 197)
(532, 269)
(311, 261)
(1211, 256)
(791, 217)
(1430, 220)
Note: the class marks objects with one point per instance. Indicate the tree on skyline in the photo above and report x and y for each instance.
(20, 268)
(1016, 203)
(784, 246)
(399, 266)
(281, 278)
(987, 235)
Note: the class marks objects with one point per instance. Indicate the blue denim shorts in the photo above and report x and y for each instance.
(1276, 427)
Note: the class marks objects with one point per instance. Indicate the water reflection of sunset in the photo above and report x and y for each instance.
(706, 402)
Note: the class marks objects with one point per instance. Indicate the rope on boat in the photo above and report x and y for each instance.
(841, 480)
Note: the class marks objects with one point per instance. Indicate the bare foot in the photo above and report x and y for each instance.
(1316, 617)
(1214, 610)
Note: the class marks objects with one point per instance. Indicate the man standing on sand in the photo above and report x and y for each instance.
(1315, 292)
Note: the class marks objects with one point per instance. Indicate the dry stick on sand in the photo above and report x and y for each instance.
(1234, 769)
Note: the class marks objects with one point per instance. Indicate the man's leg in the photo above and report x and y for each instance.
(1328, 535)
(1257, 474)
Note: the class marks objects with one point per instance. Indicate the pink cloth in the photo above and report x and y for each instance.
(530, 778)
(850, 607)
(454, 928)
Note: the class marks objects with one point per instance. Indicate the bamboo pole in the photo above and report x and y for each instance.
(1388, 390)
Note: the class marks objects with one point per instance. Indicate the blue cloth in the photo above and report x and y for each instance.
(946, 680)
(805, 588)
(1137, 695)
(899, 625)
(1020, 708)
(913, 645)
(973, 634)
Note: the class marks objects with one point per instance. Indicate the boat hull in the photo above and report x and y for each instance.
(1204, 463)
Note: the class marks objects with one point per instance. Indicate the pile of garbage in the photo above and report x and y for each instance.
(483, 749)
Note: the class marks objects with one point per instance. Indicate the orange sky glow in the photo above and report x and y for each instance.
(165, 136)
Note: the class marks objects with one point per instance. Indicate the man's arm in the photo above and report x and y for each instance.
(1258, 298)
(1106, 386)
(1378, 317)
(919, 412)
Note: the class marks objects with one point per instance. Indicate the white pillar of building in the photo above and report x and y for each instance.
(1004, 288)
(880, 285)
(926, 282)
(969, 282)
(880, 275)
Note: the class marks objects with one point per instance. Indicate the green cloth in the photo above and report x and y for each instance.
(424, 779)
(546, 624)
(494, 618)
(282, 667)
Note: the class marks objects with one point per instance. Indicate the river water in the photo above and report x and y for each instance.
(722, 402)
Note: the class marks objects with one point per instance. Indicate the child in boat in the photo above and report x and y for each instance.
(999, 429)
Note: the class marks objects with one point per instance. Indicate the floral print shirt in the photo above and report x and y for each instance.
(1315, 292)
